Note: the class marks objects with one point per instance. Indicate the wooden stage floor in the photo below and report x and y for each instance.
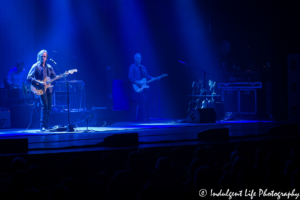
(156, 133)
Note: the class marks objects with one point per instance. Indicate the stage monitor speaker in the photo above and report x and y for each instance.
(205, 115)
(14, 145)
(121, 140)
(214, 134)
(285, 130)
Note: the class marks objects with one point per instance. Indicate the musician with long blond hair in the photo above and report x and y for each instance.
(38, 72)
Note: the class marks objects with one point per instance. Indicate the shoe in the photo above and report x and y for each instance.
(43, 129)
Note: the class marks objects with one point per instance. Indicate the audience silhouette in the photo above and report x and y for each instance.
(174, 173)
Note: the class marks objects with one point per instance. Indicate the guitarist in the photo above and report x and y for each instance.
(38, 72)
(136, 73)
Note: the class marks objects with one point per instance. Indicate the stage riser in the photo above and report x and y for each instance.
(14, 145)
(99, 117)
(121, 140)
(21, 115)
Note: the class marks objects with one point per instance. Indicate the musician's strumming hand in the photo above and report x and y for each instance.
(42, 83)
(138, 83)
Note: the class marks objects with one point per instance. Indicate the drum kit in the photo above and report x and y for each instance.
(203, 98)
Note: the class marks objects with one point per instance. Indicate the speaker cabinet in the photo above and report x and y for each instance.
(205, 115)
(242, 101)
(231, 100)
(248, 101)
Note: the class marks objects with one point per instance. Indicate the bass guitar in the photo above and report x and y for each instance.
(41, 89)
(144, 83)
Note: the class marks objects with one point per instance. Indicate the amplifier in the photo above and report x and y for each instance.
(76, 94)
(240, 101)
(243, 76)
(74, 85)
(241, 85)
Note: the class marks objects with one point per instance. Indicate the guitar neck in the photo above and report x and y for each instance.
(151, 80)
(56, 78)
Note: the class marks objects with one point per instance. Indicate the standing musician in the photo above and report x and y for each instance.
(37, 74)
(16, 80)
(16, 76)
(136, 73)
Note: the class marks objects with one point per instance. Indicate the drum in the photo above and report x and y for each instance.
(207, 104)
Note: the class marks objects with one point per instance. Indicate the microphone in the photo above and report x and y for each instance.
(55, 51)
(182, 62)
(53, 61)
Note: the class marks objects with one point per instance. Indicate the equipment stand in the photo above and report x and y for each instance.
(70, 127)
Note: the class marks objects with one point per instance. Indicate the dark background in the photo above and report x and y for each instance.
(92, 35)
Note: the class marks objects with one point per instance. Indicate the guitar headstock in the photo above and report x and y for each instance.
(164, 75)
(72, 71)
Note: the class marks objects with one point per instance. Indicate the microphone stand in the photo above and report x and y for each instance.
(87, 123)
(204, 75)
(70, 128)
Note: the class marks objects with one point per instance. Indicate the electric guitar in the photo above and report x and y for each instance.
(39, 89)
(144, 83)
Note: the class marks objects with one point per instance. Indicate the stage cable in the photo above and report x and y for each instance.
(25, 91)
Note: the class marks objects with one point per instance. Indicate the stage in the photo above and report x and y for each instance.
(155, 133)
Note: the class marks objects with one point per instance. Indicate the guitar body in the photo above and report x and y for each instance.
(140, 89)
(144, 82)
(41, 89)
(38, 89)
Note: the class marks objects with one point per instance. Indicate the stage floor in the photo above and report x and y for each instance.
(153, 134)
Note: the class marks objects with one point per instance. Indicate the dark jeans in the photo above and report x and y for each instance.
(46, 104)
(143, 105)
